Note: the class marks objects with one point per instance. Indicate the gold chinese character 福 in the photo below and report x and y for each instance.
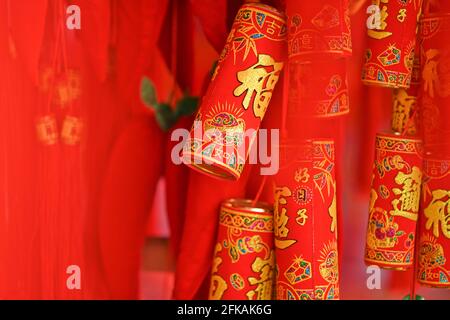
(259, 81)
(438, 211)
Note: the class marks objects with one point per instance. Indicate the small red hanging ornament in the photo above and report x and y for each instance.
(318, 94)
(305, 216)
(244, 258)
(394, 201)
(72, 130)
(47, 130)
(239, 94)
(405, 113)
(318, 29)
(391, 30)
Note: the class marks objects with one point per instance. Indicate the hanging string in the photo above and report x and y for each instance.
(63, 40)
(284, 108)
(113, 37)
(260, 190)
(11, 43)
(54, 66)
(174, 51)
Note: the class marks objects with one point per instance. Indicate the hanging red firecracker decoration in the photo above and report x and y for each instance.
(244, 259)
(435, 93)
(405, 113)
(306, 222)
(319, 94)
(239, 94)
(47, 130)
(72, 129)
(318, 29)
(391, 30)
(394, 202)
(434, 245)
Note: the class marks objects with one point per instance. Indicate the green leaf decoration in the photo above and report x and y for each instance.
(186, 106)
(148, 92)
(408, 297)
(165, 116)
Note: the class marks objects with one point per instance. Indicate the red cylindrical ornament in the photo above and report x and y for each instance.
(318, 94)
(391, 30)
(244, 258)
(434, 250)
(239, 94)
(435, 97)
(405, 111)
(394, 202)
(318, 29)
(305, 216)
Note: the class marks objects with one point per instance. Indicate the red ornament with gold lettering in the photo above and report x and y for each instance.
(318, 94)
(391, 30)
(405, 107)
(239, 94)
(434, 250)
(318, 29)
(306, 222)
(394, 201)
(244, 259)
(435, 94)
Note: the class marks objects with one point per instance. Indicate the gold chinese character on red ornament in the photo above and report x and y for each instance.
(376, 22)
(438, 212)
(302, 217)
(403, 107)
(407, 205)
(265, 269)
(401, 16)
(259, 81)
(281, 218)
(302, 175)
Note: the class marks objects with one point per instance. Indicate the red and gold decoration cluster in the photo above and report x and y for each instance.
(290, 251)
(239, 93)
(305, 216)
(434, 241)
(435, 89)
(244, 258)
(394, 202)
(318, 37)
(411, 178)
(434, 232)
(318, 28)
(391, 30)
